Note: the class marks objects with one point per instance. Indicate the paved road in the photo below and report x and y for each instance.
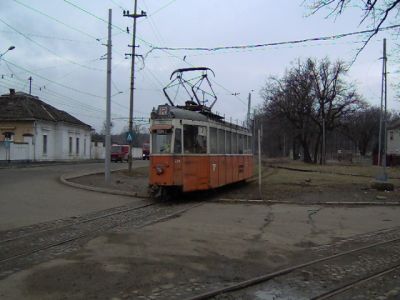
(33, 195)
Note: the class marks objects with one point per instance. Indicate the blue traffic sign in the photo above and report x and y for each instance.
(129, 137)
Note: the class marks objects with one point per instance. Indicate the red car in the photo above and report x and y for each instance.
(119, 153)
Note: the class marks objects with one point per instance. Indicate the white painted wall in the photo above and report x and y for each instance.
(393, 142)
(58, 135)
(98, 151)
(19, 151)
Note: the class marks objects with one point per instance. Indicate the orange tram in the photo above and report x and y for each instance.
(194, 149)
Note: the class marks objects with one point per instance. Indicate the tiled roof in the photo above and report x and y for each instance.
(21, 106)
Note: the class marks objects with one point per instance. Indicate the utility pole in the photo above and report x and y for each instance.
(132, 87)
(30, 85)
(385, 177)
(259, 163)
(107, 160)
(248, 112)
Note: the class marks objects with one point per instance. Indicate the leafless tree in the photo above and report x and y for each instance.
(333, 97)
(374, 12)
(309, 96)
(362, 127)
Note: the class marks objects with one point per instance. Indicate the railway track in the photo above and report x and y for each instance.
(328, 277)
(41, 245)
(84, 220)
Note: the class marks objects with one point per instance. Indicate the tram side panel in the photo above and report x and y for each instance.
(196, 173)
(222, 171)
(215, 167)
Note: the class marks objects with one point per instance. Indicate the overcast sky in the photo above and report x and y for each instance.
(59, 43)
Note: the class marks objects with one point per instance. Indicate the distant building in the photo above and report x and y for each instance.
(393, 143)
(31, 129)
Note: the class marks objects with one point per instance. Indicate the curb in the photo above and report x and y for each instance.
(23, 165)
(321, 172)
(330, 203)
(65, 180)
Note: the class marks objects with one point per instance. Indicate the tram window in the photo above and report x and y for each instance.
(234, 143)
(221, 141)
(228, 143)
(213, 140)
(161, 141)
(241, 140)
(178, 141)
(195, 139)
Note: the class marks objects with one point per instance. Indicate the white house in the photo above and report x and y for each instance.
(393, 144)
(31, 129)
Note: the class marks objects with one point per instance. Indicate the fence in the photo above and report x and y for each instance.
(10, 151)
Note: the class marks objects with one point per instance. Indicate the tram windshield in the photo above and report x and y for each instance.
(161, 141)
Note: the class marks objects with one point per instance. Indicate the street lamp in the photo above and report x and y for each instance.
(9, 49)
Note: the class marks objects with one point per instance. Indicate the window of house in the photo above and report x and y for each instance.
(77, 146)
(70, 145)
(178, 141)
(195, 139)
(84, 147)
(221, 141)
(391, 133)
(213, 140)
(44, 143)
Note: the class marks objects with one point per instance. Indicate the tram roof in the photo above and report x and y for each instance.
(187, 114)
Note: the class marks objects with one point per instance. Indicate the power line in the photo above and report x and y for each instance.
(52, 81)
(51, 37)
(47, 49)
(56, 20)
(321, 38)
(161, 8)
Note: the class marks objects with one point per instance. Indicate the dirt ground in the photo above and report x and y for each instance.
(207, 247)
(282, 180)
(215, 244)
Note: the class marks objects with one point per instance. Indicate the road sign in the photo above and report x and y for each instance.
(129, 136)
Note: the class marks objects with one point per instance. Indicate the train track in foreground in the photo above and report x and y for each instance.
(329, 276)
(84, 220)
(42, 245)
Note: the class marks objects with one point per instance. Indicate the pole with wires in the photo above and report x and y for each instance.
(107, 159)
(132, 85)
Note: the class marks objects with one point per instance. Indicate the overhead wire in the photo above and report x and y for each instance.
(56, 20)
(55, 82)
(300, 41)
(48, 49)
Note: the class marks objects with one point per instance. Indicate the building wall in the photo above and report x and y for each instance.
(58, 141)
(98, 150)
(49, 141)
(393, 142)
(19, 128)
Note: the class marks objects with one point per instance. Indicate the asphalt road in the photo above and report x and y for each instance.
(33, 195)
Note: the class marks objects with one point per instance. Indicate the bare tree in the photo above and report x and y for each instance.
(334, 98)
(362, 127)
(375, 12)
(310, 96)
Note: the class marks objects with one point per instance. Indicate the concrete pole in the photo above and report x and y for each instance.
(107, 159)
(385, 177)
(381, 113)
(259, 163)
